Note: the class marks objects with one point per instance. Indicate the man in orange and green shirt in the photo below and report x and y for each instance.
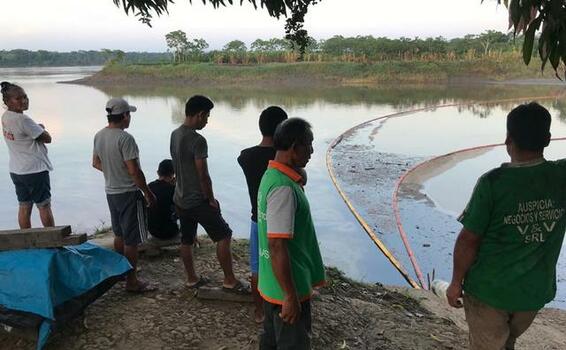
(290, 264)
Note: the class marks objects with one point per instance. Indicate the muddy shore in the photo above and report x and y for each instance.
(368, 178)
(347, 315)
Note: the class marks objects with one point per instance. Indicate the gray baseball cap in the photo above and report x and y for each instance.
(117, 106)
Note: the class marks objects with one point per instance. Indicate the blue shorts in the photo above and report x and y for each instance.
(33, 188)
(254, 248)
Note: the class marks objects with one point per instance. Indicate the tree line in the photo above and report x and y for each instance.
(363, 49)
(42, 58)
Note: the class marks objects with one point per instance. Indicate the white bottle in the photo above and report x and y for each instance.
(439, 288)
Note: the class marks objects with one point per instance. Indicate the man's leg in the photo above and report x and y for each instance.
(295, 336)
(188, 234)
(188, 263)
(218, 230)
(24, 215)
(267, 339)
(119, 245)
(519, 323)
(41, 196)
(254, 267)
(224, 255)
(134, 232)
(46, 215)
(131, 253)
(488, 327)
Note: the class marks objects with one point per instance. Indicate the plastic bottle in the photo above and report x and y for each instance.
(439, 288)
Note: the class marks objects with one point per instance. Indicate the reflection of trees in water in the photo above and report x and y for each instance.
(178, 111)
(560, 105)
(399, 97)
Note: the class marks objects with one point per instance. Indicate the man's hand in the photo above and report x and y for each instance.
(214, 203)
(150, 198)
(291, 309)
(454, 293)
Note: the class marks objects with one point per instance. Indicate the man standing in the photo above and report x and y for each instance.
(254, 162)
(116, 155)
(290, 264)
(505, 256)
(194, 198)
(29, 163)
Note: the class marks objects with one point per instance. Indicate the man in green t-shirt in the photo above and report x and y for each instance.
(505, 256)
(290, 264)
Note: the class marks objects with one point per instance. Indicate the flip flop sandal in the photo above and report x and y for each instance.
(239, 289)
(143, 287)
(201, 282)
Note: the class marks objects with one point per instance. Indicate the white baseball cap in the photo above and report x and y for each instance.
(116, 106)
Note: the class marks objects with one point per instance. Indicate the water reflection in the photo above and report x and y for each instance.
(73, 114)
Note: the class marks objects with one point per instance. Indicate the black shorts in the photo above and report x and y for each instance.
(208, 217)
(128, 215)
(33, 188)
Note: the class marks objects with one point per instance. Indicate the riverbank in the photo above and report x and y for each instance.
(507, 67)
(347, 315)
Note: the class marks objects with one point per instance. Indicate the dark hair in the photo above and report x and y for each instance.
(270, 118)
(197, 104)
(114, 118)
(165, 168)
(528, 126)
(290, 131)
(6, 88)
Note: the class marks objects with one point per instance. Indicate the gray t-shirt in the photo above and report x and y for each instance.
(186, 146)
(27, 155)
(115, 146)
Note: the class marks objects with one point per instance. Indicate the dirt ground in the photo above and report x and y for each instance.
(347, 315)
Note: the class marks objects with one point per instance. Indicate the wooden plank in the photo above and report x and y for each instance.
(48, 237)
(56, 231)
(75, 239)
(215, 293)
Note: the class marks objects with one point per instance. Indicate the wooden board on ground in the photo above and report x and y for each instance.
(215, 293)
(48, 237)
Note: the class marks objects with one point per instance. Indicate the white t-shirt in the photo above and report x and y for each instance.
(27, 155)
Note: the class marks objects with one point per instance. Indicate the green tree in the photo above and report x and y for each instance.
(177, 43)
(235, 46)
(276, 8)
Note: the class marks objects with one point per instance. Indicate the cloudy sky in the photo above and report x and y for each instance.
(65, 25)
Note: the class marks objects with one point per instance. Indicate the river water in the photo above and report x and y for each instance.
(74, 113)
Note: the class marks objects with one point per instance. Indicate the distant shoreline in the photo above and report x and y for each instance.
(317, 73)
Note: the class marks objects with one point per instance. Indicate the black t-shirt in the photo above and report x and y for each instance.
(162, 222)
(254, 161)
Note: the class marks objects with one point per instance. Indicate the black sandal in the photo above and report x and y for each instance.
(201, 282)
(239, 288)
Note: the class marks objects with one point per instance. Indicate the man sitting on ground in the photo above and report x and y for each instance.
(162, 221)
(505, 256)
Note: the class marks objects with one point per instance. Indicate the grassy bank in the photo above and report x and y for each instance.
(314, 73)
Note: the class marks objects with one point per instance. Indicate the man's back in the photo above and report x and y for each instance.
(254, 162)
(519, 212)
(186, 146)
(114, 146)
(162, 222)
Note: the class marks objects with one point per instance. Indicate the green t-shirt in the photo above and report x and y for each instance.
(519, 213)
(284, 212)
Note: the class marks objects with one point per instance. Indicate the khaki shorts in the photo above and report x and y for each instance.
(494, 329)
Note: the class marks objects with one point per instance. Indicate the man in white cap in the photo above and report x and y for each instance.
(116, 154)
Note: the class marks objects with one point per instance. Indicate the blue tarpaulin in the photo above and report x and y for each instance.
(39, 280)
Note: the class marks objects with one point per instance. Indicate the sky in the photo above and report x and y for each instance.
(67, 25)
